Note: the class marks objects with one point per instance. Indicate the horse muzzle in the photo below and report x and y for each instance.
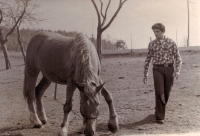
(89, 133)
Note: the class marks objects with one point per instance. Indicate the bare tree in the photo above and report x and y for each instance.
(12, 15)
(28, 18)
(102, 19)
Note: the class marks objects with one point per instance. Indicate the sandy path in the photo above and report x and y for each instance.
(133, 100)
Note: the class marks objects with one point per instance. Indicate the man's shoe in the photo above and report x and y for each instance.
(160, 121)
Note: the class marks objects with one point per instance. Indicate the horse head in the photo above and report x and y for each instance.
(89, 106)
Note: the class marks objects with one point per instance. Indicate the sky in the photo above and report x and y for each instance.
(133, 22)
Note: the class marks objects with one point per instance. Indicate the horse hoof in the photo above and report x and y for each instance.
(44, 122)
(87, 133)
(112, 128)
(81, 131)
(62, 134)
(37, 126)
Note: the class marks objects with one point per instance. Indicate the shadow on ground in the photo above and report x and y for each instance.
(103, 129)
(148, 120)
(8, 130)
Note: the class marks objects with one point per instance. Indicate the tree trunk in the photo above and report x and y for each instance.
(20, 43)
(5, 52)
(22, 50)
(99, 47)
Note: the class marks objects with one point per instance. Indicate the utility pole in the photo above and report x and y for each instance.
(188, 40)
(131, 43)
(92, 33)
(176, 38)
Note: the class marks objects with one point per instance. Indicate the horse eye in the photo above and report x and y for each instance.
(94, 84)
(88, 102)
(96, 102)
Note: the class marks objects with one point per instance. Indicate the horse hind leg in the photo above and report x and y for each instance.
(39, 91)
(29, 94)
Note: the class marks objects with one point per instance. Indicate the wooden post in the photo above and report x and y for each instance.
(55, 92)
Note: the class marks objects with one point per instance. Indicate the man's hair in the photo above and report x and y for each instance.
(159, 26)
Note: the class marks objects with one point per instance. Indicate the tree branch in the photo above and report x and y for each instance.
(18, 20)
(1, 16)
(30, 17)
(18, 29)
(123, 2)
(101, 9)
(117, 11)
(104, 19)
(98, 15)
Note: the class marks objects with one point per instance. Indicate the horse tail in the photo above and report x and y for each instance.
(30, 79)
(30, 70)
(25, 90)
(27, 59)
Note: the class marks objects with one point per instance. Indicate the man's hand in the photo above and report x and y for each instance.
(145, 79)
(175, 75)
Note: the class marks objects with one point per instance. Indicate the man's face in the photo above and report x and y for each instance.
(159, 34)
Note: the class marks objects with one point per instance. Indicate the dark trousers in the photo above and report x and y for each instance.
(163, 82)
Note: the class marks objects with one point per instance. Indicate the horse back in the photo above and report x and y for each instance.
(49, 53)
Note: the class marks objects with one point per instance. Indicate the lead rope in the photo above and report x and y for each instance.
(71, 110)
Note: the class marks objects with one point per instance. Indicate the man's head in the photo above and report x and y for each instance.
(159, 30)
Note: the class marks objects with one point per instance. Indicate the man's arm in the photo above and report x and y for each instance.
(178, 61)
(147, 62)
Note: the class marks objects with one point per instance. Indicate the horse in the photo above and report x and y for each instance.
(71, 61)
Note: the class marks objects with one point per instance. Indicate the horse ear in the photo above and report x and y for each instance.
(100, 87)
(80, 86)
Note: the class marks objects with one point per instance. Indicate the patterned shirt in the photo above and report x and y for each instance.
(161, 52)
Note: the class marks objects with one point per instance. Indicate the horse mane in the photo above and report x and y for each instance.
(81, 63)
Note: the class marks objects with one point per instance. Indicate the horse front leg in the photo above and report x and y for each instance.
(68, 106)
(113, 120)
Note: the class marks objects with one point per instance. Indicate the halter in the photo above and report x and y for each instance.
(88, 117)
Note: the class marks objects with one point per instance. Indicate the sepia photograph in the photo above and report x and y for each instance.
(99, 68)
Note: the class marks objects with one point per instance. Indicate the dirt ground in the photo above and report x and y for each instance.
(134, 101)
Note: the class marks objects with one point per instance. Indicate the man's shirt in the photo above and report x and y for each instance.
(161, 52)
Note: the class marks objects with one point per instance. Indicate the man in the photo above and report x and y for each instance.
(167, 63)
